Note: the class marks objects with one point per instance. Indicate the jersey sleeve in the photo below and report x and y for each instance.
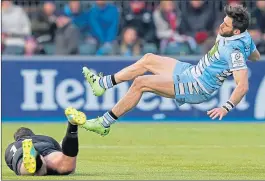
(252, 46)
(9, 156)
(236, 58)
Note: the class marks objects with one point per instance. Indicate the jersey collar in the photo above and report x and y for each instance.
(235, 37)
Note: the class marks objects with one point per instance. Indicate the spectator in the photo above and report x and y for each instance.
(130, 45)
(79, 17)
(234, 2)
(29, 6)
(27, 3)
(44, 23)
(15, 26)
(166, 19)
(32, 47)
(257, 27)
(104, 19)
(138, 17)
(197, 20)
(67, 36)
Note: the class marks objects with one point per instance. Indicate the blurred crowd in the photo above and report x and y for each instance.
(127, 28)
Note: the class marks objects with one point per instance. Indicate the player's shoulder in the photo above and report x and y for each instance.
(16, 144)
(241, 41)
(13, 143)
(43, 138)
(10, 145)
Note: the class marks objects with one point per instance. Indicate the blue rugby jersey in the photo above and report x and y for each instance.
(227, 55)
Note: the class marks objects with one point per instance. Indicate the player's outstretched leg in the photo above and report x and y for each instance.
(31, 158)
(155, 64)
(70, 140)
(162, 85)
(65, 162)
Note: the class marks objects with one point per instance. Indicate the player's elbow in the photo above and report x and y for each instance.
(258, 58)
(255, 56)
(243, 88)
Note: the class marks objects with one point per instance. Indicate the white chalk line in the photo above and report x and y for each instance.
(166, 146)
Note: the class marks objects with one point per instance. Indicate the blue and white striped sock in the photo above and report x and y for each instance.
(107, 82)
(108, 119)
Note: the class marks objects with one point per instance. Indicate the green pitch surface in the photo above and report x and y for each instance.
(160, 151)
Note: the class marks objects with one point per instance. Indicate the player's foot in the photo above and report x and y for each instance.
(95, 125)
(75, 117)
(29, 155)
(93, 80)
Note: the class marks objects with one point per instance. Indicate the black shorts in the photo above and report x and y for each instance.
(43, 144)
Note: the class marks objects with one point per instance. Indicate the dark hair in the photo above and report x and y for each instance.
(22, 132)
(240, 16)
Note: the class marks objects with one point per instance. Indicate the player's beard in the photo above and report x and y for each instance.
(227, 34)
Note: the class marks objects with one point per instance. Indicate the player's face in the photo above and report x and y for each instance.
(226, 28)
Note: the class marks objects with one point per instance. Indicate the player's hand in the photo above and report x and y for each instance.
(217, 112)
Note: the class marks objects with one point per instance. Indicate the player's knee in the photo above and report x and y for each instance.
(147, 57)
(139, 83)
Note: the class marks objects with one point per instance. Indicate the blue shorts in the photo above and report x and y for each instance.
(187, 89)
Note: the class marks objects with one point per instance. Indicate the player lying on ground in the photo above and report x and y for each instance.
(32, 154)
(181, 81)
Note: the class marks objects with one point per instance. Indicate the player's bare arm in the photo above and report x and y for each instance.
(255, 56)
(241, 79)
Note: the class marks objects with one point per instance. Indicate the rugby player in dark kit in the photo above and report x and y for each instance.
(33, 154)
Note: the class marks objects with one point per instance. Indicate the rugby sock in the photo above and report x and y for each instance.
(70, 141)
(108, 119)
(71, 129)
(107, 82)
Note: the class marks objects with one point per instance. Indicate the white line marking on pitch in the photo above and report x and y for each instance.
(167, 146)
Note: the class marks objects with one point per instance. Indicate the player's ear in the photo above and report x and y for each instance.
(236, 31)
